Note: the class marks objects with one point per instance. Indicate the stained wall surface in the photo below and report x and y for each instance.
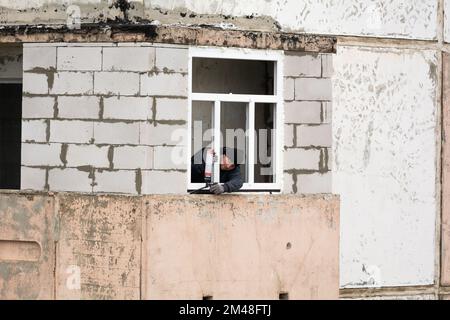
(384, 164)
(100, 243)
(104, 118)
(168, 247)
(27, 246)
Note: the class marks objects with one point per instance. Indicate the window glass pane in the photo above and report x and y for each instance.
(233, 76)
(201, 132)
(265, 142)
(233, 119)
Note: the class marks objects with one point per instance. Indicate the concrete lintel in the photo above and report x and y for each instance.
(144, 32)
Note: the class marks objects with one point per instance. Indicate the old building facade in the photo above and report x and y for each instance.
(354, 91)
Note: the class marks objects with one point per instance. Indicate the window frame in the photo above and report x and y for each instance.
(18, 81)
(276, 99)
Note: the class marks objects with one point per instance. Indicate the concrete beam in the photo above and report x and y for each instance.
(200, 36)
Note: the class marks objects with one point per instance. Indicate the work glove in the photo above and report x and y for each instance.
(217, 189)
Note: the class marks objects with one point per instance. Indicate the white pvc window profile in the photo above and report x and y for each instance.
(217, 99)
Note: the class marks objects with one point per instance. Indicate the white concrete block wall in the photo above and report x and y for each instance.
(307, 129)
(79, 107)
(71, 83)
(69, 179)
(79, 59)
(96, 116)
(35, 178)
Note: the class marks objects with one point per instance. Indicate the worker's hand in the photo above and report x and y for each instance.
(217, 188)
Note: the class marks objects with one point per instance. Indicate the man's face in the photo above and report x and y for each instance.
(226, 164)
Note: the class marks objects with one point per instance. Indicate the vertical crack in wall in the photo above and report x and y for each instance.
(111, 157)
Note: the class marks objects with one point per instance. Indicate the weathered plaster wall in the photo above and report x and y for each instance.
(99, 240)
(384, 164)
(380, 18)
(177, 247)
(11, 63)
(95, 118)
(307, 123)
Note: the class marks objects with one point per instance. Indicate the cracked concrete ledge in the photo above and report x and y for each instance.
(198, 36)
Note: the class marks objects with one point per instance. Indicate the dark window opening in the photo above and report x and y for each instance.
(10, 135)
(233, 76)
(284, 296)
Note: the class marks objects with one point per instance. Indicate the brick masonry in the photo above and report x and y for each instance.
(307, 129)
(106, 118)
(88, 112)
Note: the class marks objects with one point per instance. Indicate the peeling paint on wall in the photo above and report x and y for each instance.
(11, 62)
(380, 18)
(445, 235)
(175, 247)
(384, 163)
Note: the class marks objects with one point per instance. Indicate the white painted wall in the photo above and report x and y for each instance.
(381, 18)
(384, 154)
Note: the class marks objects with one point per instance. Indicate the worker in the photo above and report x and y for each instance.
(230, 173)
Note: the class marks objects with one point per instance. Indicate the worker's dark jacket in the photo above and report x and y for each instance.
(232, 179)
